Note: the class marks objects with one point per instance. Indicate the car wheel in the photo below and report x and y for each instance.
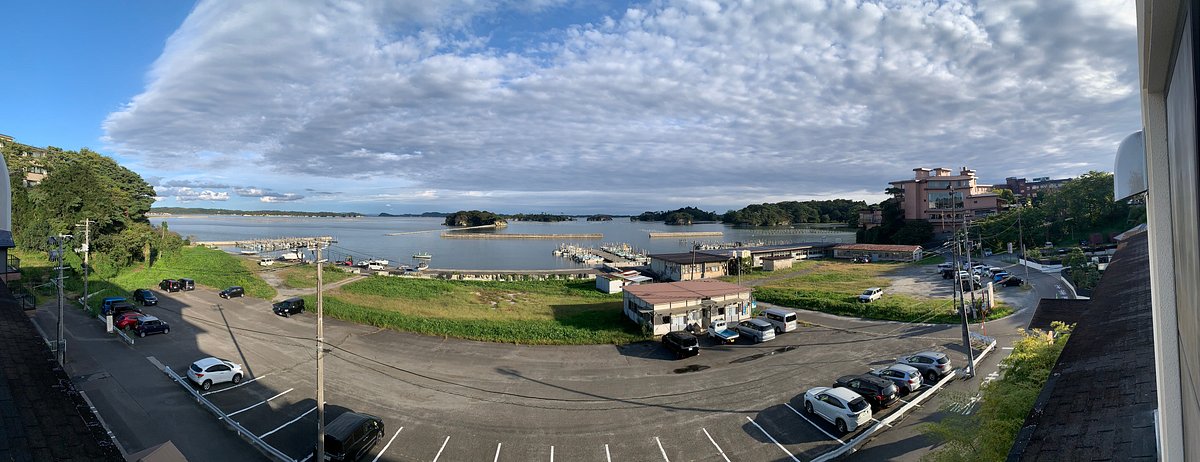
(206, 385)
(142, 334)
(285, 314)
(237, 378)
(808, 407)
(841, 426)
(930, 377)
(167, 330)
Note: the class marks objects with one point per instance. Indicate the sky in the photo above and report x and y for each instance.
(407, 106)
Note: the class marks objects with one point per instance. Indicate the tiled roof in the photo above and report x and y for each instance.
(687, 290)
(1100, 399)
(1058, 309)
(687, 258)
(44, 418)
(878, 247)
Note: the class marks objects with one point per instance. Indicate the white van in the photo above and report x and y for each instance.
(783, 320)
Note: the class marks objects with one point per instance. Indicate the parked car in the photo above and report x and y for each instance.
(351, 435)
(1012, 281)
(294, 305)
(783, 320)
(682, 344)
(862, 259)
(840, 406)
(870, 295)
(145, 296)
(147, 325)
(720, 331)
(107, 303)
(170, 285)
(235, 291)
(880, 392)
(756, 330)
(933, 365)
(211, 371)
(947, 273)
(127, 320)
(187, 284)
(907, 378)
(997, 277)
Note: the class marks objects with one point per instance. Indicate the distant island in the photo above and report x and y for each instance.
(543, 217)
(474, 218)
(683, 216)
(167, 211)
(418, 215)
(600, 218)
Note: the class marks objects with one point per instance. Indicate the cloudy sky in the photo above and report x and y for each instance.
(591, 106)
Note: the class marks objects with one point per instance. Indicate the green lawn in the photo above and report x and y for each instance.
(305, 276)
(833, 287)
(529, 312)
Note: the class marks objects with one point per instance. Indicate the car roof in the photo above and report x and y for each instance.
(873, 288)
(681, 335)
(758, 322)
(877, 381)
(347, 423)
(293, 299)
(903, 368)
(147, 318)
(113, 299)
(205, 362)
(931, 354)
(845, 394)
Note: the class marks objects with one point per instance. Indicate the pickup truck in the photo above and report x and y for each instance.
(721, 332)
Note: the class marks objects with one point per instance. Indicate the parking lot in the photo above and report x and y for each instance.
(446, 399)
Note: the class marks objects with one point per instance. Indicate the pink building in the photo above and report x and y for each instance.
(945, 199)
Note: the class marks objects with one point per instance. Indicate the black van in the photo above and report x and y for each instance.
(235, 291)
(187, 284)
(682, 344)
(351, 435)
(290, 306)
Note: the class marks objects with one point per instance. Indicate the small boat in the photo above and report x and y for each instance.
(249, 252)
(422, 265)
(422, 255)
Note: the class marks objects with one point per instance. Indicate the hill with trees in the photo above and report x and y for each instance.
(474, 218)
(683, 216)
(255, 213)
(795, 212)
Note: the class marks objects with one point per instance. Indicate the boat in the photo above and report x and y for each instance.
(422, 265)
(422, 256)
(249, 252)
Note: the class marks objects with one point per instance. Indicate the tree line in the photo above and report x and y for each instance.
(85, 185)
(767, 214)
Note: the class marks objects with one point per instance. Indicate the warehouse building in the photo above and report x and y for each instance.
(674, 306)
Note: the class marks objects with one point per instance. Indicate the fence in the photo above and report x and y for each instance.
(251, 438)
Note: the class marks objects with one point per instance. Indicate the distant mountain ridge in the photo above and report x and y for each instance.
(272, 213)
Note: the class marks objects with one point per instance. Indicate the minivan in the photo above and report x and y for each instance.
(351, 435)
(783, 320)
(756, 330)
(290, 306)
(187, 284)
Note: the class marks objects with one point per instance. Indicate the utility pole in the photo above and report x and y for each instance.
(1021, 236)
(320, 454)
(87, 250)
(962, 309)
(57, 257)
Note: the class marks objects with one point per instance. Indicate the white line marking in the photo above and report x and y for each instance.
(814, 424)
(260, 403)
(1006, 348)
(785, 451)
(902, 400)
(551, 453)
(497, 452)
(714, 442)
(439, 454)
(244, 382)
(386, 446)
(306, 458)
(878, 422)
(660, 449)
(264, 435)
(607, 456)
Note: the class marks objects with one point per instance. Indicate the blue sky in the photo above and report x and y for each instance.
(580, 107)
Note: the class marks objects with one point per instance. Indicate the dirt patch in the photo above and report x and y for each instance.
(919, 282)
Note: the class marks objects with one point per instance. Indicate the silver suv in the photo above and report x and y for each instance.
(756, 330)
(933, 365)
(907, 378)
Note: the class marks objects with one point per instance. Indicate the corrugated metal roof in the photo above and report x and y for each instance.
(687, 290)
(878, 247)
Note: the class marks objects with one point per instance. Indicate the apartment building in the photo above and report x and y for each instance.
(945, 198)
(36, 173)
(1022, 187)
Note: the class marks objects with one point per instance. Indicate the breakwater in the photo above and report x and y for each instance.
(687, 234)
(449, 235)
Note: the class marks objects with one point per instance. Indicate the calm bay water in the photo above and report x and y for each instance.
(365, 237)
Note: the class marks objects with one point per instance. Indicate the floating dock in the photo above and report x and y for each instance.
(452, 235)
(268, 245)
(688, 234)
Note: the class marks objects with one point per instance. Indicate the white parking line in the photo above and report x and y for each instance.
(814, 424)
(439, 454)
(785, 451)
(607, 456)
(660, 449)
(264, 435)
(260, 403)
(386, 446)
(551, 453)
(714, 442)
(497, 452)
(244, 382)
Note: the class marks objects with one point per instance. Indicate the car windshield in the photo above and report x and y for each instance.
(857, 404)
(866, 292)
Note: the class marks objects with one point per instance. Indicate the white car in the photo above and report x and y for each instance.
(208, 371)
(870, 295)
(842, 407)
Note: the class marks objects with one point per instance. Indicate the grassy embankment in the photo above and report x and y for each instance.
(531, 312)
(208, 267)
(833, 287)
(988, 434)
(305, 276)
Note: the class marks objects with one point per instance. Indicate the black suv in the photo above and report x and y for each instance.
(878, 391)
(187, 284)
(235, 291)
(170, 285)
(290, 306)
(145, 296)
(351, 435)
(682, 343)
(117, 308)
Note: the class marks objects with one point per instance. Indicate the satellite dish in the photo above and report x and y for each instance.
(1129, 178)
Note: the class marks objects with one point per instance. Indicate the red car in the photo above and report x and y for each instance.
(127, 320)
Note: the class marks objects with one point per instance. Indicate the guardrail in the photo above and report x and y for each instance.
(254, 440)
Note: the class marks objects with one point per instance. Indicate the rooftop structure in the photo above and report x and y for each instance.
(879, 251)
(687, 266)
(1021, 187)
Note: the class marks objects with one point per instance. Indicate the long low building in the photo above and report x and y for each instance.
(673, 306)
(879, 251)
(687, 266)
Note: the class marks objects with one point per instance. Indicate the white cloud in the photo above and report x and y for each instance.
(730, 102)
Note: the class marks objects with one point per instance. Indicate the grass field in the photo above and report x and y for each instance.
(833, 287)
(755, 275)
(531, 312)
(305, 276)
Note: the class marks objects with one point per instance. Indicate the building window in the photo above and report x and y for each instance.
(721, 311)
(666, 319)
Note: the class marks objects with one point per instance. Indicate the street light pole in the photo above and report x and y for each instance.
(962, 309)
(320, 454)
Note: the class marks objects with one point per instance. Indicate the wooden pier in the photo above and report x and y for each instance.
(268, 245)
(688, 234)
(451, 235)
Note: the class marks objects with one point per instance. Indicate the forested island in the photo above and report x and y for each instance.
(683, 216)
(767, 214)
(600, 218)
(256, 213)
(474, 218)
(417, 215)
(542, 217)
